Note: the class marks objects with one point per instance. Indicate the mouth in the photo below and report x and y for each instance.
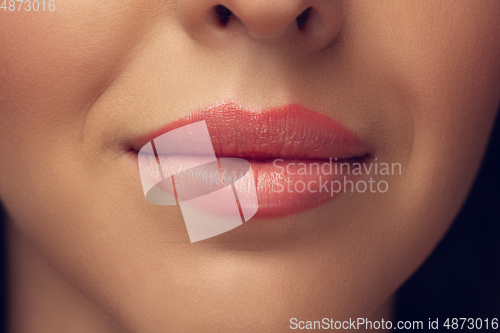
(299, 158)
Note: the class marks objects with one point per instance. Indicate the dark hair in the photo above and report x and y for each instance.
(461, 279)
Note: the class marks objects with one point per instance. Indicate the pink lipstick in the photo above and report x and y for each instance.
(299, 157)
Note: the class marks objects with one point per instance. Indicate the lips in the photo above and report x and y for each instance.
(299, 158)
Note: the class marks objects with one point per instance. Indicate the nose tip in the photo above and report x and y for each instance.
(268, 19)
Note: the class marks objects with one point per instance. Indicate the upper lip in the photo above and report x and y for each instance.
(288, 132)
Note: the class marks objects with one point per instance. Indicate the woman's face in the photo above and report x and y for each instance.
(416, 81)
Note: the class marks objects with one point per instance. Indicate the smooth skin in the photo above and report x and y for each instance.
(419, 80)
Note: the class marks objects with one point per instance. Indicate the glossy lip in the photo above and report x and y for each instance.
(283, 136)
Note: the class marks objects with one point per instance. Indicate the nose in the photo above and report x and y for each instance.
(315, 22)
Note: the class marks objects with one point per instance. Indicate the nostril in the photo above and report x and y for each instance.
(223, 14)
(302, 18)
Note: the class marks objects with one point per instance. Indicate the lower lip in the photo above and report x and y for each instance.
(286, 187)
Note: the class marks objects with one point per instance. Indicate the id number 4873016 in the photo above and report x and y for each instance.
(28, 5)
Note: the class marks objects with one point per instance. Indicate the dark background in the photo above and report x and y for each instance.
(460, 279)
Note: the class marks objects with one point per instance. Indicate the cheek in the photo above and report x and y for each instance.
(53, 66)
(443, 58)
